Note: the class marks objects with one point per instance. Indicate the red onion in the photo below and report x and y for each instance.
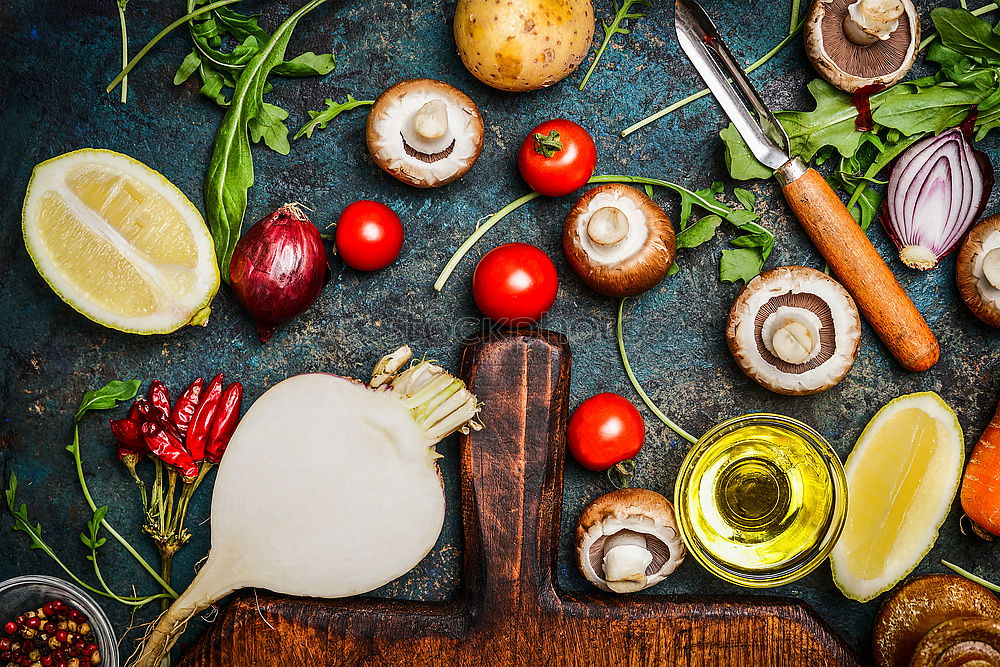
(278, 268)
(937, 190)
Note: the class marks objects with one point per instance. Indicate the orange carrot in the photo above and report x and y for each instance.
(981, 483)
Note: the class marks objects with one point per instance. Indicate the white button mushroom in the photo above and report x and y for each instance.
(425, 132)
(618, 240)
(627, 540)
(794, 330)
(977, 271)
(862, 45)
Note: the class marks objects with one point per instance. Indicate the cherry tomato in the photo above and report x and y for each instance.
(606, 429)
(515, 284)
(557, 157)
(369, 236)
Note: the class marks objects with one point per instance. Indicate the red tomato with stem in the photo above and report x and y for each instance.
(557, 157)
(515, 284)
(606, 429)
(369, 236)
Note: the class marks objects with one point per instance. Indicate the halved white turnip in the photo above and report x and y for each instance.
(329, 488)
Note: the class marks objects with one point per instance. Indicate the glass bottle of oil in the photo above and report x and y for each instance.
(761, 499)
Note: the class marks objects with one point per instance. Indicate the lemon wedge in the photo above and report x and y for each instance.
(119, 242)
(901, 478)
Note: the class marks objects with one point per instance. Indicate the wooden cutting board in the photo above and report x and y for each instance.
(510, 610)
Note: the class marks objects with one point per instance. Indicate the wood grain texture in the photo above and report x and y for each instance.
(857, 264)
(510, 610)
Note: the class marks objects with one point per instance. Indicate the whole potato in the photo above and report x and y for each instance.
(523, 44)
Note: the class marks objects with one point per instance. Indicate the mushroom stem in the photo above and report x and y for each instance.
(868, 21)
(793, 342)
(608, 226)
(991, 267)
(431, 120)
(626, 558)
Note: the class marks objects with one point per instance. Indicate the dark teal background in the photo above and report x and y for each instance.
(57, 57)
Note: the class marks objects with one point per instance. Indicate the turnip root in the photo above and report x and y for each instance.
(329, 488)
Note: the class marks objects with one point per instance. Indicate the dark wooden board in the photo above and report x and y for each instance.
(510, 609)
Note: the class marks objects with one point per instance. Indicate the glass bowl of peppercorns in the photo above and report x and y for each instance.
(48, 622)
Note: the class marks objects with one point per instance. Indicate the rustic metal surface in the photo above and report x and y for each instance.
(57, 58)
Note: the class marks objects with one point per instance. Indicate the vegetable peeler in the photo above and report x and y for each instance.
(834, 232)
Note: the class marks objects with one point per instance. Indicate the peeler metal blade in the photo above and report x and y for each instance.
(700, 40)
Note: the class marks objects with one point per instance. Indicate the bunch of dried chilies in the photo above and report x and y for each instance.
(183, 441)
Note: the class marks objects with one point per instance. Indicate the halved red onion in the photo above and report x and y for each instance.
(937, 190)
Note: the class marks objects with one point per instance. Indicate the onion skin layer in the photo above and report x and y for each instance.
(911, 170)
(278, 268)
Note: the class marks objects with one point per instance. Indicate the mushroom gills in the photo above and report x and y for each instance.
(795, 332)
(626, 558)
(868, 21)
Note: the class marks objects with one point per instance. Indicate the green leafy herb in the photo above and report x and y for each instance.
(333, 109)
(219, 68)
(230, 172)
(756, 240)
(106, 397)
(623, 12)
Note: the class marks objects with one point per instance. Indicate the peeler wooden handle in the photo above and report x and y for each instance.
(860, 268)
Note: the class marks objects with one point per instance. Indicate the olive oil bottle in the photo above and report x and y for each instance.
(761, 500)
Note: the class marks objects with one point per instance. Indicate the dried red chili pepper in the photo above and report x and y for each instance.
(170, 450)
(127, 432)
(186, 406)
(226, 417)
(159, 396)
(200, 428)
(129, 456)
(151, 414)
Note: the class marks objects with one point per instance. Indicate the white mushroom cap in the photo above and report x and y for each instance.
(862, 44)
(977, 271)
(627, 540)
(425, 132)
(618, 240)
(794, 330)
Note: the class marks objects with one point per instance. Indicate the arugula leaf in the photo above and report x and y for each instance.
(333, 109)
(107, 396)
(230, 172)
(91, 538)
(915, 110)
(623, 13)
(745, 198)
(308, 64)
(740, 264)
(704, 198)
(269, 125)
(188, 66)
(698, 233)
(967, 34)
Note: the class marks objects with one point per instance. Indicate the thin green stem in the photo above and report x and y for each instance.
(609, 32)
(114, 533)
(638, 387)
(160, 35)
(794, 15)
(691, 98)
(971, 577)
(121, 19)
(449, 268)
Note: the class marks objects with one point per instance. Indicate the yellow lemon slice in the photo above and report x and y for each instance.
(901, 478)
(119, 242)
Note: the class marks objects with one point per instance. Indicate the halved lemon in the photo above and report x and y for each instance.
(901, 479)
(119, 242)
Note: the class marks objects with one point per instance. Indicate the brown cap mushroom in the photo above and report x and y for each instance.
(977, 271)
(968, 641)
(618, 240)
(862, 45)
(794, 330)
(919, 605)
(425, 132)
(627, 540)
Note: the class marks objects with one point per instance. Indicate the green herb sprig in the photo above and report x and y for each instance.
(319, 119)
(623, 12)
(105, 398)
(740, 263)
